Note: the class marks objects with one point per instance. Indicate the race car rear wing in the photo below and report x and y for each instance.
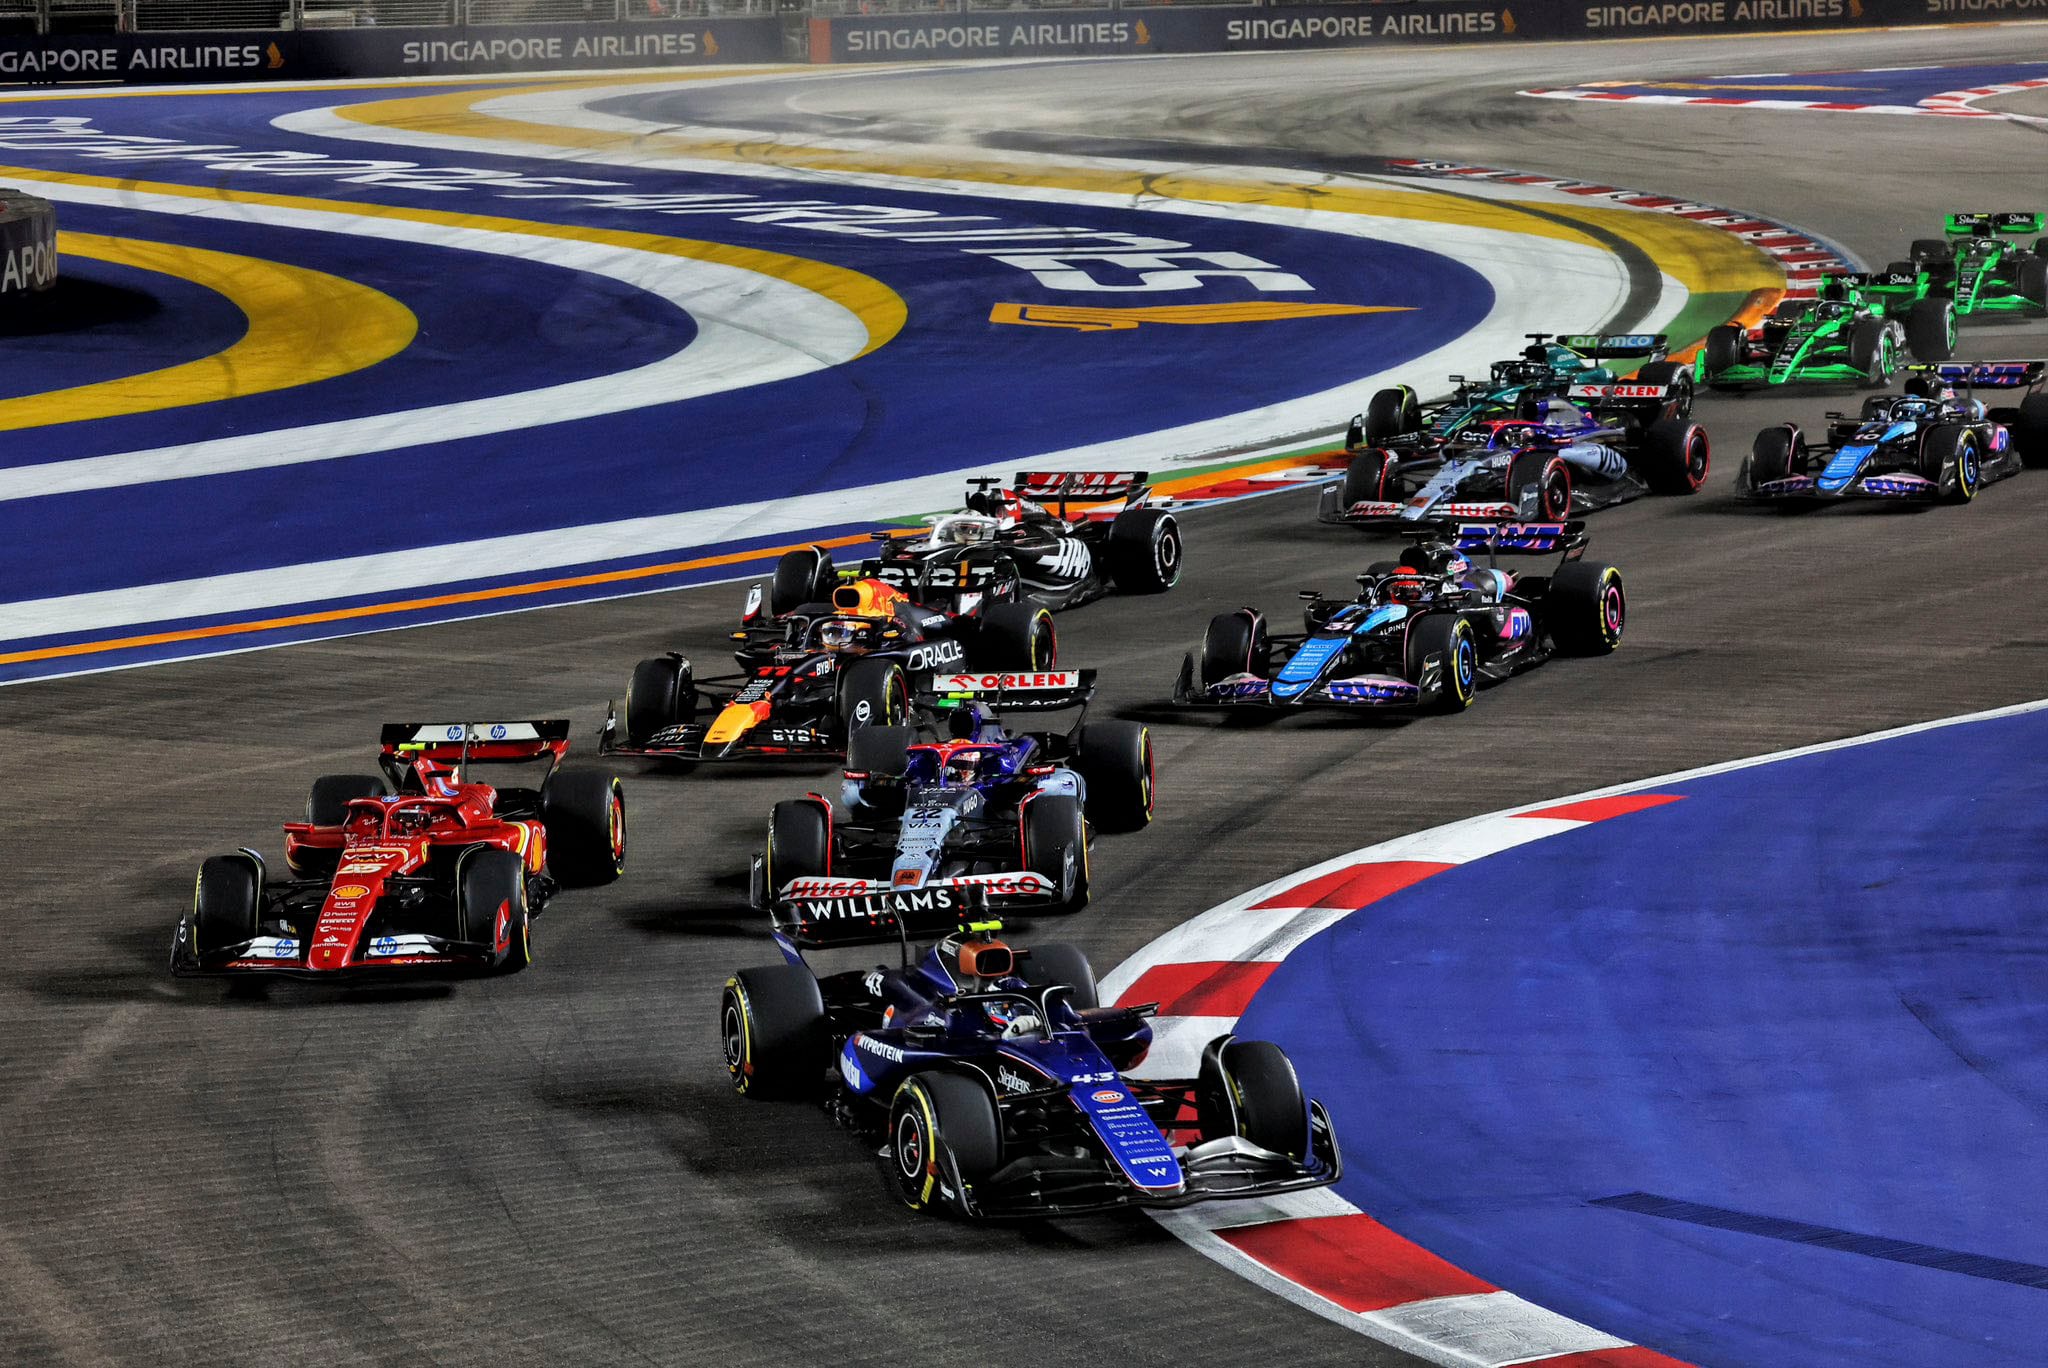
(467, 743)
(1509, 538)
(1020, 691)
(1973, 225)
(486, 741)
(832, 921)
(1083, 486)
(1599, 346)
(1985, 374)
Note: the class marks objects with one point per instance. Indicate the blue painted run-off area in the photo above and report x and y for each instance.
(953, 390)
(1899, 86)
(1791, 1025)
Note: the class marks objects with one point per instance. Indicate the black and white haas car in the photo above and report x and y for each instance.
(1099, 536)
(1423, 633)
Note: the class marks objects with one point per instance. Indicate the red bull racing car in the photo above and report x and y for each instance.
(419, 870)
(812, 675)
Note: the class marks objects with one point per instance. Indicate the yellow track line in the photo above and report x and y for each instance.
(880, 309)
(303, 326)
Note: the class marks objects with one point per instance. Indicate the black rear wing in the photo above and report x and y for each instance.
(899, 916)
(1970, 375)
(1014, 691)
(1508, 538)
(1083, 486)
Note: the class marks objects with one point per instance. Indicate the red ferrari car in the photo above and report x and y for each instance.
(417, 870)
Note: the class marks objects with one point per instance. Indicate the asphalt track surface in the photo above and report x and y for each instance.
(551, 1169)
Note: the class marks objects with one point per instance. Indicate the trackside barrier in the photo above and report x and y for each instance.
(295, 54)
(1113, 32)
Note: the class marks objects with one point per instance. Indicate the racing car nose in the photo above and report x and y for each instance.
(736, 720)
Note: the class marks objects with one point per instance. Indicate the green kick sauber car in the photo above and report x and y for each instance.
(1984, 263)
(1842, 336)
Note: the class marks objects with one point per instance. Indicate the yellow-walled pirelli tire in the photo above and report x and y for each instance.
(663, 694)
(584, 812)
(936, 1114)
(226, 901)
(1115, 762)
(1446, 638)
(492, 908)
(1586, 608)
(771, 1021)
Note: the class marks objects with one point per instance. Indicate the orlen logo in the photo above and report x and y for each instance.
(1057, 679)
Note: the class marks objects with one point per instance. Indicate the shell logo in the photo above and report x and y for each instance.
(349, 891)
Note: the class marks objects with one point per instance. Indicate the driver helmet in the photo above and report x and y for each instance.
(1435, 559)
(961, 767)
(842, 634)
(964, 530)
(1504, 435)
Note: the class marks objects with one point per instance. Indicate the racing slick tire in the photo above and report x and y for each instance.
(1675, 376)
(584, 815)
(772, 1023)
(227, 899)
(1145, 551)
(1931, 330)
(805, 576)
(1115, 762)
(2030, 432)
(1778, 453)
(328, 803)
(491, 907)
(941, 1110)
(1871, 352)
(1248, 1088)
(880, 752)
(1016, 637)
(1235, 643)
(1586, 608)
(799, 842)
(1390, 413)
(663, 694)
(1550, 476)
(1369, 479)
(1930, 249)
(1953, 444)
(1056, 847)
(1059, 962)
(1448, 636)
(873, 693)
(326, 806)
(1675, 456)
(2031, 281)
(1724, 348)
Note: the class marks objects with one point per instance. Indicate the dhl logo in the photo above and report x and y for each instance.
(1081, 318)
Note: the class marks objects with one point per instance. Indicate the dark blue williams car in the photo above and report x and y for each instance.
(991, 1080)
